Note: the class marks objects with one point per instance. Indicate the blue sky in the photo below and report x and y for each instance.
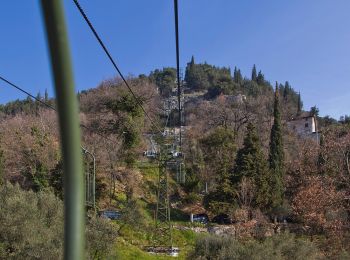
(304, 42)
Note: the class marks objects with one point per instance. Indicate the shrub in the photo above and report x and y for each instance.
(32, 227)
(100, 237)
(241, 215)
(31, 224)
(191, 198)
(282, 246)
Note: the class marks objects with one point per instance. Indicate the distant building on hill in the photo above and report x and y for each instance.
(240, 99)
(305, 125)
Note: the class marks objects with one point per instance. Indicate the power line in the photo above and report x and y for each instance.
(113, 62)
(49, 106)
(22, 90)
(178, 64)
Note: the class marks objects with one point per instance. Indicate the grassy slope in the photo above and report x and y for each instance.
(131, 241)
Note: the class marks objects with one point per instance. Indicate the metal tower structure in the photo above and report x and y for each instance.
(163, 227)
(90, 174)
(179, 159)
(170, 155)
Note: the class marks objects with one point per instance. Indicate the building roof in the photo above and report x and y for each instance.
(302, 115)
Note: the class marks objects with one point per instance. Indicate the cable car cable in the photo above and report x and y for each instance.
(178, 65)
(50, 107)
(113, 62)
(22, 90)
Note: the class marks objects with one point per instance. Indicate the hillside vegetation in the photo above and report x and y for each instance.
(287, 196)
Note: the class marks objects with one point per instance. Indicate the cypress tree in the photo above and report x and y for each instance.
(235, 79)
(321, 155)
(285, 92)
(250, 163)
(189, 74)
(2, 167)
(46, 98)
(239, 76)
(276, 156)
(299, 104)
(254, 73)
(192, 61)
(287, 85)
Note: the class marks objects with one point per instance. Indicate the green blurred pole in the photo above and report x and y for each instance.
(74, 213)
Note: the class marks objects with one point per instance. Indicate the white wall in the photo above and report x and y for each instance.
(303, 126)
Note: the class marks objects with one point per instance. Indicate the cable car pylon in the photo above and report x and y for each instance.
(170, 154)
(162, 238)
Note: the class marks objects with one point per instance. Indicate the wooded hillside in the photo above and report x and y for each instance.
(241, 158)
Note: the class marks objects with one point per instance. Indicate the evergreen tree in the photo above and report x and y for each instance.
(321, 155)
(46, 98)
(2, 166)
(164, 79)
(260, 78)
(285, 92)
(56, 179)
(192, 61)
(251, 164)
(219, 149)
(237, 76)
(190, 71)
(287, 87)
(314, 111)
(254, 73)
(37, 104)
(245, 160)
(38, 96)
(299, 104)
(205, 76)
(276, 156)
(36, 172)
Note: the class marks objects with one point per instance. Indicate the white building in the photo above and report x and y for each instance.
(305, 125)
